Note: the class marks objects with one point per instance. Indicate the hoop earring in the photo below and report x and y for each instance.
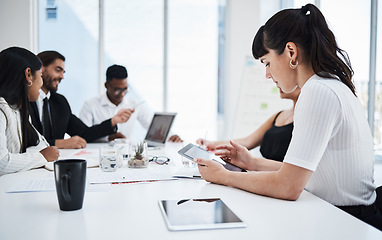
(293, 66)
(30, 84)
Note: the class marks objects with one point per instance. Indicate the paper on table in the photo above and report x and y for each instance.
(129, 175)
(46, 185)
(33, 185)
(90, 155)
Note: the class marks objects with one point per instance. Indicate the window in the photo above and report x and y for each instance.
(74, 33)
(51, 9)
(133, 34)
(355, 40)
(134, 39)
(378, 87)
(193, 66)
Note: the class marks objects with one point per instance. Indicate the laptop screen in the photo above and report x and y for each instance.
(160, 127)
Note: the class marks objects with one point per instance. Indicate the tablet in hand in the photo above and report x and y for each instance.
(192, 151)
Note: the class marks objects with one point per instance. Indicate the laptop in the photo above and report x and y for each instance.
(159, 129)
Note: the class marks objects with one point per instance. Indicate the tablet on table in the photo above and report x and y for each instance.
(194, 214)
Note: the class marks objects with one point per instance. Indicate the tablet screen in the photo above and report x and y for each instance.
(192, 151)
(197, 152)
(192, 214)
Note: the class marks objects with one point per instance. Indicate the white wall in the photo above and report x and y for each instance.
(243, 19)
(242, 23)
(18, 26)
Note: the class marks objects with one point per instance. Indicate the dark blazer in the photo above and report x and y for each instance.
(63, 121)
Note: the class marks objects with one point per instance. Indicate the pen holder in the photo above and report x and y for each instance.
(138, 153)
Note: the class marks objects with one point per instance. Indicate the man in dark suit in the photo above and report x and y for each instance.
(52, 115)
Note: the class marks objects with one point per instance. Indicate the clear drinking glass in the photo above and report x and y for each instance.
(108, 161)
(122, 149)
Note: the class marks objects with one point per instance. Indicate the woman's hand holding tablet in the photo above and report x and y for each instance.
(192, 151)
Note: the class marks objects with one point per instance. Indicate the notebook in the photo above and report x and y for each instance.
(159, 129)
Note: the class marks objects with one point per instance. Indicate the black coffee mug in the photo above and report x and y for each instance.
(70, 178)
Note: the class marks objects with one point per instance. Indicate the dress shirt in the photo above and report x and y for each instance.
(98, 109)
(40, 102)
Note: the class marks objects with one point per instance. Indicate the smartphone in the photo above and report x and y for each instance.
(192, 151)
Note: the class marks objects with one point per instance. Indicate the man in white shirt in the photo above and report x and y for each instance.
(97, 109)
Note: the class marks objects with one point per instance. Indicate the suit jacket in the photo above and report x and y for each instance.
(63, 121)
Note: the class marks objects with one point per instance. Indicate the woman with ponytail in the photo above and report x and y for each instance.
(21, 146)
(331, 152)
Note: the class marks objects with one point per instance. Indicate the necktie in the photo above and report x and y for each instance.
(46, 122)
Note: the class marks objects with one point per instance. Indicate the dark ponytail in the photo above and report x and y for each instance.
(307, 28)
(13, 87)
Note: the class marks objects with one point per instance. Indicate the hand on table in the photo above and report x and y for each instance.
(115, 136)
(175, 138)
(75, 142)
(50, 153)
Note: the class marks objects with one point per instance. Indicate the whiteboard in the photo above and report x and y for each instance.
(259, 99)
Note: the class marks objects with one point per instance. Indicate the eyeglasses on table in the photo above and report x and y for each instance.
(161, 160)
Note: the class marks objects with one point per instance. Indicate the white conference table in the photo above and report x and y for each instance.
(131, 211)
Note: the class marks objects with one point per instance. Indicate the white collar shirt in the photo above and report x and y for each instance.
(98, 109)
(40, 100)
